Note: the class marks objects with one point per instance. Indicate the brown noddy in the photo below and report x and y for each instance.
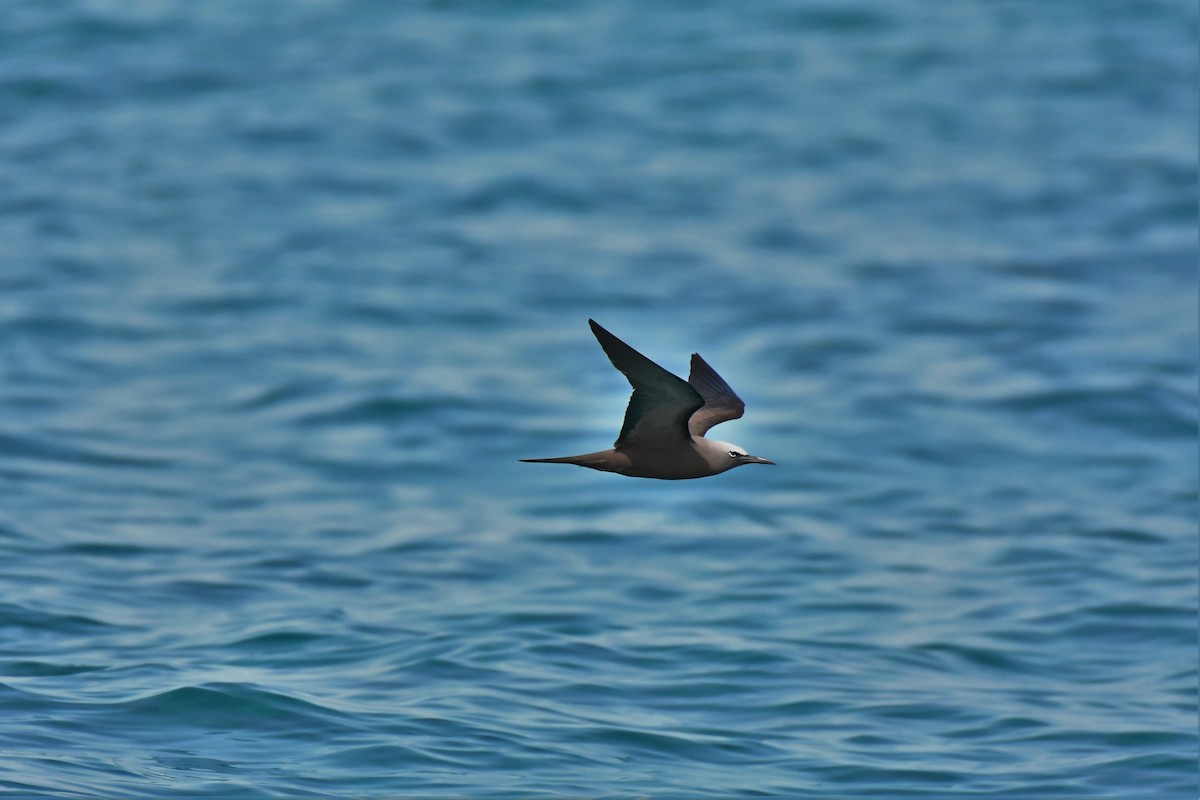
(665, 422)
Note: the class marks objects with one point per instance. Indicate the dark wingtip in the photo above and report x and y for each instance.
(607, 339)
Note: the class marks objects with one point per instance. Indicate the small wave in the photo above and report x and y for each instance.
(1143, 410)
(277, 641)
(635, 743)
(42, 622)
(380, 410)
(42, 449)
(989, 657)
(525, 192)
(228, 707)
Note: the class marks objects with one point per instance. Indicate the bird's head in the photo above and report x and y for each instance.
(726, 455)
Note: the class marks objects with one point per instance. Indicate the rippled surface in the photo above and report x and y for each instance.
(288, 288)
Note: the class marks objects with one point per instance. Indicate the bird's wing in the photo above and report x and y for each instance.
(721, 404)
(658, 411)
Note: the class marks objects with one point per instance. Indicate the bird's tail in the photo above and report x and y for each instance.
(605, 460)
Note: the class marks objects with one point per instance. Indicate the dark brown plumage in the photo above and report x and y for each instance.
(665, 421)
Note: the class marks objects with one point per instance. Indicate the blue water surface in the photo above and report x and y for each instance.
(287, 288)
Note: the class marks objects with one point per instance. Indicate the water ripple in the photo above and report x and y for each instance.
(289, 288)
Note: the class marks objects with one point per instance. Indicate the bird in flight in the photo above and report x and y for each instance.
(665, 422)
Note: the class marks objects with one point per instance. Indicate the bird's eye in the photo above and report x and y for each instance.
(734, 454)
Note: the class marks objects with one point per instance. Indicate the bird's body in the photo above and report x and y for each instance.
(663, 434)
(705, 457)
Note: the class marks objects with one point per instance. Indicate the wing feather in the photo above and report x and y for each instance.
(721, 403)
(661, 404)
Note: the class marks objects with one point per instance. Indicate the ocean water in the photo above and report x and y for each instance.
(287, 288)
